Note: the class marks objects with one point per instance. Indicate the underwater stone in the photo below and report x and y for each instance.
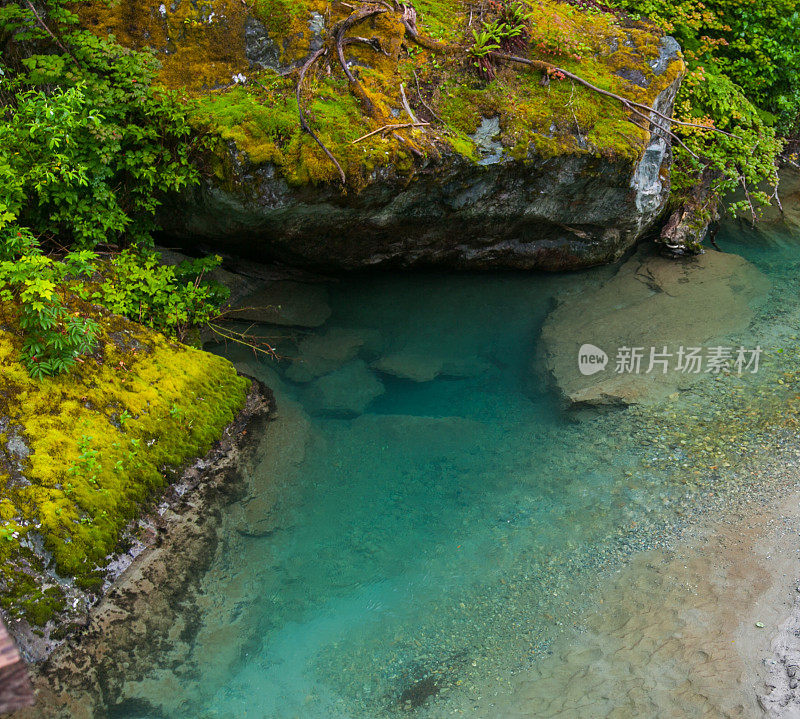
(321, 354)
(346, 391)
(406, 365)
(651, 302)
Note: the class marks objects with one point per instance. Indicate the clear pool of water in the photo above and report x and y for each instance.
(443, 533)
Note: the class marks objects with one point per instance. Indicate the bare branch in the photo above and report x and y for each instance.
(49, 31)
(373, 42)
(399, 126)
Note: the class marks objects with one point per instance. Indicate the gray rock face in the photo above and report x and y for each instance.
(578, 209)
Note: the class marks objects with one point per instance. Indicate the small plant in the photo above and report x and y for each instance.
(88, 465)
(485, 44)
(516, 16)
(508, 32)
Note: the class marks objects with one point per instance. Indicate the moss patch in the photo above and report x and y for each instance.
(81, 454)
(203, 45)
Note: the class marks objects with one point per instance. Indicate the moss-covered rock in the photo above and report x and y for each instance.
(523, 174)
(83, 453)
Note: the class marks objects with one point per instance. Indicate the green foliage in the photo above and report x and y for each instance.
(743, 159)
(88, 150)
(752, 42)
(53, 338)
(101, 150)
(507, 31)
(168, 298)
(744, 77)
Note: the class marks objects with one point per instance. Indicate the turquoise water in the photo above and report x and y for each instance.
(440, 532)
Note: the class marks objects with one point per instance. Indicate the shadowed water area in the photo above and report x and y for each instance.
(426, 519)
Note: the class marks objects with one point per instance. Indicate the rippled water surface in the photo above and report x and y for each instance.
(443, 531)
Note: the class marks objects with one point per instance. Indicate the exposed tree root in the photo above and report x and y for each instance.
(359, 16)
(367, 9)
(409, 19)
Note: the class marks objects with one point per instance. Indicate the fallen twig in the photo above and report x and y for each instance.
(419, 95)
(385, 128)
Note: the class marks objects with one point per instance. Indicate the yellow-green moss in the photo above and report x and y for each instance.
(102, 442)
(261, 118)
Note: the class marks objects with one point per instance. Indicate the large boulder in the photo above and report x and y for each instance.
(516, 172)
(652, 302)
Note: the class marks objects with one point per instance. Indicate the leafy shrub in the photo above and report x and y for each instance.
(54, 338)
(88, 150)
(744, 77)
(168, 298)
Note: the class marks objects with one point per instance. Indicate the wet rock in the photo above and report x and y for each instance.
(260, 50)
(346, 392)
(239, 285)
(280, 453)
(139, 625)
(650, 302)
(286, 303)
(486, 140)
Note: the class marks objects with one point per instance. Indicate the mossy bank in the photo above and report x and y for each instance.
(84, 454)
(505, 170)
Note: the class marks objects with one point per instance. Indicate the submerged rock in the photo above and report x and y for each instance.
(285, 303)
(346, 391)
(413, 366)
(419, 367)
(651, 302)
(321, 354)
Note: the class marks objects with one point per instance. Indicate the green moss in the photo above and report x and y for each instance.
(262, 120)
(443, 19)
(103, 442)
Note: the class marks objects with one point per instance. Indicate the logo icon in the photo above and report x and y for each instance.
(591, 360)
